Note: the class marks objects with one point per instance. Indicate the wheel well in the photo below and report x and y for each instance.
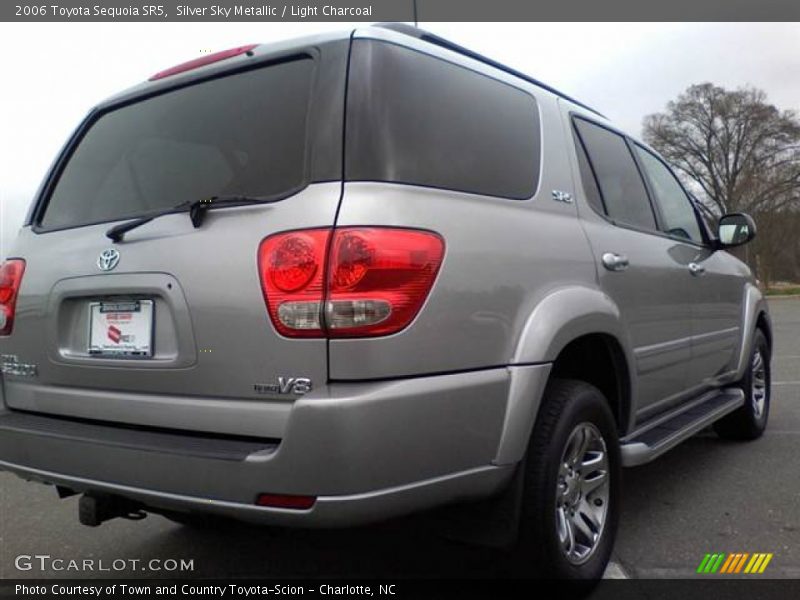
(762, 323)
(598, 359)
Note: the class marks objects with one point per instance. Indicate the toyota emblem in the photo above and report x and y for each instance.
(108, 259)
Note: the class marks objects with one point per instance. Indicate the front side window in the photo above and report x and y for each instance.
(680, 219)
(622, 190)
(242, 134)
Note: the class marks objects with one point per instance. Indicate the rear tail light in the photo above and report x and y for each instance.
(292, 268)
(10, 279)
(377, 279)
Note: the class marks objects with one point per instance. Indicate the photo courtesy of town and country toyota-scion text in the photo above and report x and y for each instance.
(421, 298)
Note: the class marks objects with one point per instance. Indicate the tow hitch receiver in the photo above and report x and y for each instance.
(94, 509)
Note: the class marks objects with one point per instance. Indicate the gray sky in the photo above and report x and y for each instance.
(54, 72)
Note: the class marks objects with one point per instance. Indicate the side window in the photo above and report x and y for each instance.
(587, 177)
(679, 217)
(621, 187)
(416, 119)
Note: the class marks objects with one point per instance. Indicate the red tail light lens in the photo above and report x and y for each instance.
(294, 262)
(378, 279)
(10, 279)
(292, 267)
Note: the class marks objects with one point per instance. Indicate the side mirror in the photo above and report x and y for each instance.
(735, 229)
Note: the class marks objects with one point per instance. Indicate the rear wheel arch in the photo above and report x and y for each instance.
(599, 359)
(562, 323)
(563, 316)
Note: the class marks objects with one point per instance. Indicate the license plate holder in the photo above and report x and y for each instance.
(121, 329)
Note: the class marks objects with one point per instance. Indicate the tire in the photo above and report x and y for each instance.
(554, 485)
(750, 421)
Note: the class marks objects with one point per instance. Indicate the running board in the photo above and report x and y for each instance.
(653, 439)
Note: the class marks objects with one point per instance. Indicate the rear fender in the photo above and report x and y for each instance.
(561, 317)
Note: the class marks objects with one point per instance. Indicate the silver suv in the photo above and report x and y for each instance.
(349, 277)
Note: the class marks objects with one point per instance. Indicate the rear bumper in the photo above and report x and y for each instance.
(367, 451)
(328, 511)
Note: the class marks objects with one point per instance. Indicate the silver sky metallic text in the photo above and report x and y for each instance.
(302, 11)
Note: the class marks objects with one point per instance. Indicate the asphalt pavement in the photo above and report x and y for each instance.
(705, 496)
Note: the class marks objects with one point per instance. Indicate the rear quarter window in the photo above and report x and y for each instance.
(416, 119)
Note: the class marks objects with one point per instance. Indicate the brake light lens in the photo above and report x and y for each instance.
(377, 279)
(203, 61)
(10, 279)
(380, 278)
(292, 267)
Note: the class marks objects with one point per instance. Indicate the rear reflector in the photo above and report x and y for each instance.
(203, 61)
(285, 501)
(10, 279)
(377, 279)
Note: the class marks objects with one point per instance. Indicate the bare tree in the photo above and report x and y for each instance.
(736, 152)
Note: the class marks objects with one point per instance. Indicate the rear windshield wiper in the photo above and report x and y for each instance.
(197, 211)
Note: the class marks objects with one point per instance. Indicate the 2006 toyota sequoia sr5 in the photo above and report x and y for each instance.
(343, 278)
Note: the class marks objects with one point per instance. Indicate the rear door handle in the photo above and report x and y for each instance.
(696, 269)
(615, 262)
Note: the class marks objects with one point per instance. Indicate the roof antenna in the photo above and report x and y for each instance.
(416, 24)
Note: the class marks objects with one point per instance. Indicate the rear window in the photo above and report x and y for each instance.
(242, 134)
(416, 119)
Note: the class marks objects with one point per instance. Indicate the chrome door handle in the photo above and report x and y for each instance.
(615, 262)
(696, 269)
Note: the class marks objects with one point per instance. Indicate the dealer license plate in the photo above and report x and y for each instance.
(121, 329)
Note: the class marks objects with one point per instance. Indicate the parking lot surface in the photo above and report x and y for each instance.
(705, 496)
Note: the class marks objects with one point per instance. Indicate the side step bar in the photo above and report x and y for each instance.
(653, 439)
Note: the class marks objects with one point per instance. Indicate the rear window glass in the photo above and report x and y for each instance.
(243, 134)
(416, 119)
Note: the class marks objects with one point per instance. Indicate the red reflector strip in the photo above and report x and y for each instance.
(203, 61)
(286, 501)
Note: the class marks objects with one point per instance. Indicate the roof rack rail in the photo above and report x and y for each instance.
(429, 37)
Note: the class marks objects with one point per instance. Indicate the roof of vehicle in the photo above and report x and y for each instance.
(269, 49)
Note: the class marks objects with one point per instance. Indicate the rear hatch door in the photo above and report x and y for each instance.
(169, 327)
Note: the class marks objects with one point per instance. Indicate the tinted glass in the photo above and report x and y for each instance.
(676, 210)
(621, 187)
(412, 118)
(241, 134)
(587, 178)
